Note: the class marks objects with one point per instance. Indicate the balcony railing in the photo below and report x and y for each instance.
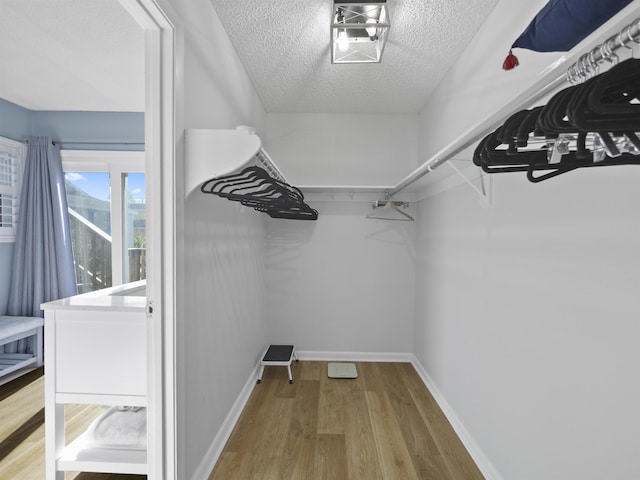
(137, 264)
(91, 254)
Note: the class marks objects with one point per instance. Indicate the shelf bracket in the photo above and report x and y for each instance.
(486, 188)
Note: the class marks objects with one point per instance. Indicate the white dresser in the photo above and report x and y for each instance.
(95, 353)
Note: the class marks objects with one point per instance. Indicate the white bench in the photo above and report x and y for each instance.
(12, 328)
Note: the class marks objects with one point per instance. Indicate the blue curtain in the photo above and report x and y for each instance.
(43, 258)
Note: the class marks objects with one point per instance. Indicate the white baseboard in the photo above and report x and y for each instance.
(215, 449)
(484, 464)
(353, 356)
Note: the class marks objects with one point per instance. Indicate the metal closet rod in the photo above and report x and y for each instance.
(100, 143)
(529, 96)
(588, 63)
(479, 131)
(89, 142)
(62, 142)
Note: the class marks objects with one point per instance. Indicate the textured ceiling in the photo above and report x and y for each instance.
(284, 46)
(89, 54)
(71, 55)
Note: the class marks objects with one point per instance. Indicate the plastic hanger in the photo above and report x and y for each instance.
(255, 188)
(381, 212)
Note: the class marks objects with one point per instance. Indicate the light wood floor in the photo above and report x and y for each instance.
(22, 430)
(384, 425)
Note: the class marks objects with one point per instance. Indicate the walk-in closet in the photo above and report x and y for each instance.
(513, 298)
(439, 199)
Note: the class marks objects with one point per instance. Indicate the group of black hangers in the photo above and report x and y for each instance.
(592, 124)
(254, 187)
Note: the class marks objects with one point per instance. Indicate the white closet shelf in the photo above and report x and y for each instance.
(345, 188)
(212, 153)
(80, 457)
(351, 193)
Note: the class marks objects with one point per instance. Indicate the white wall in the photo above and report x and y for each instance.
(342, 283)
(343, 149)
(527, 320)
(223, 327)
(217, 90)
(220, 303)
(523, 390)
(526, 310)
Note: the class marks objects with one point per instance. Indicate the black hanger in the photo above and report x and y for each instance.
(604, 103)
(552, 118)
(614, 90)
(507, 135)
(604, 109)
(254, 187)
(528, 127)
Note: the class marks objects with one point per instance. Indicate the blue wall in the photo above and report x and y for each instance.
(15, 121)
(119, 131)
(75, 130)
(6, 257)
(86, 130)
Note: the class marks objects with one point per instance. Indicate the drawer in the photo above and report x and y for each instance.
(99, 352)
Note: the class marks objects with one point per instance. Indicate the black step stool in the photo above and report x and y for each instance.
(278, 355)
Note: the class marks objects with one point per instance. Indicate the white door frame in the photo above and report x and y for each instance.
(159, 166)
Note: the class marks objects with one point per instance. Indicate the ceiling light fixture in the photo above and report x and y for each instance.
(358, 31)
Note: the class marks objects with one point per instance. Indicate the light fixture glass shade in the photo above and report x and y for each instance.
(358, 31)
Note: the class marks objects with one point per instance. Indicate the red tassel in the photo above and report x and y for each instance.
(510, 62)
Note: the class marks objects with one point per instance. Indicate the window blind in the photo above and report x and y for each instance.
(11, 154)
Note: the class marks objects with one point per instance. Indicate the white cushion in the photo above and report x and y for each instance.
(10, 326)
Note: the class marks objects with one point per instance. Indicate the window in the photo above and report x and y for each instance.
(106, 200)
(12, 155)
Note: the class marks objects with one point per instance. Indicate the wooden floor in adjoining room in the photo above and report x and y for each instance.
(384, 425)
(22, 430)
